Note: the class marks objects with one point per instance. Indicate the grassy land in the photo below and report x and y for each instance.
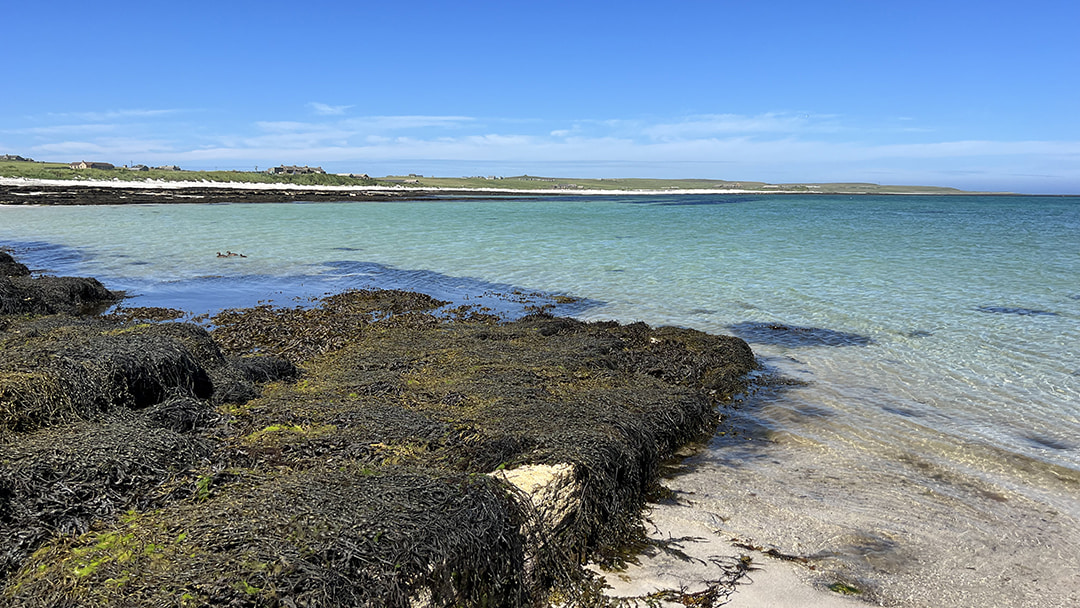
(36, 170)
(40, 170)
(571, 184)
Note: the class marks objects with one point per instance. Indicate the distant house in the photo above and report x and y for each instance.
(294, 170)
(15, 158)
(82, 164)
(138, 168)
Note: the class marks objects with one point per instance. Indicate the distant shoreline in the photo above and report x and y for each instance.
(33, 191)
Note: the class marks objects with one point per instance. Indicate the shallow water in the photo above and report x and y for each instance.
(938, 336)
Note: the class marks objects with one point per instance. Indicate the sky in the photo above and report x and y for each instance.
(975, 95)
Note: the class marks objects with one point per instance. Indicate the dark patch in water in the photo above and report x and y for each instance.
(347, 249)
(779, 334)
(1075, 296)
(918, 333)
(701, 202)
(903, 411)
(1013, 310)
(1041, 441)
(701, 311)
(45, 257)
(686, 200)
(214, 293)
(815, 411)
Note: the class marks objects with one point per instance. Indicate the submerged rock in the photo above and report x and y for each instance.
(781, 334)
(1016, 310)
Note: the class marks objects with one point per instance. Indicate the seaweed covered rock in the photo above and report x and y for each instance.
(9, 267)
(66, 480)
(327, 536)
(300, 333)
(99, 415)
(418, 460)
(50, 295)
(21, 293)
(60, 369)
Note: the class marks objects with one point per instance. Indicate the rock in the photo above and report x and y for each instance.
(554, 490)
(51, 295)
(11, 268)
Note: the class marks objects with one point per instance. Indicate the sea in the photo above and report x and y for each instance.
(915, 432)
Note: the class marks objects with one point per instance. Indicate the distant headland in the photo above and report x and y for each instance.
(24, 181)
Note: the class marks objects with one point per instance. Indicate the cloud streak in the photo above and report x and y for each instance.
(323, 109)
(782, 145)
(115, 114)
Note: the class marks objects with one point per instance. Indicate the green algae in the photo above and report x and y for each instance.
(844, 589)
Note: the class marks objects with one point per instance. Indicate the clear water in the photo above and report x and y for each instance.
(942, 410)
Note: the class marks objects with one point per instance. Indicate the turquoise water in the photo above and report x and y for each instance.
(939, 336)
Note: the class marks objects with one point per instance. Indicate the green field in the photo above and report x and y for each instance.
(569, 185)
(36, 170)
(45, 170)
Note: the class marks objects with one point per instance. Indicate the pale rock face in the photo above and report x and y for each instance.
(555, 491)
(555, 494)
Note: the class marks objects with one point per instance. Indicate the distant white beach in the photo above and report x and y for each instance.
(151, 184)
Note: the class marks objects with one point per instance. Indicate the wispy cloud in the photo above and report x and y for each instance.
(324, 109)
(114, 114)
(712, 125)
(66, 130)
(395, 123)
(770, 146)
(113, 148)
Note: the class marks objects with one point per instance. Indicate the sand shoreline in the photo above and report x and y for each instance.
(167, 186)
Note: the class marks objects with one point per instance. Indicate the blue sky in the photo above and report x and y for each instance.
(979, 95)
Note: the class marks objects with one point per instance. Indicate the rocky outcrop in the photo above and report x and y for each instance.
(52, 295)
(420, 459)
(9, 267)
(21, 293)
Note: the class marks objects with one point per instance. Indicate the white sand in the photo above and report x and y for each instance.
(150, 184)
(773, 584)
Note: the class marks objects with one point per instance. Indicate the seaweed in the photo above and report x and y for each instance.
(330, 536)
(21, 293)
(10, 267)
(68, 479)
(366, 451)
(299, 333)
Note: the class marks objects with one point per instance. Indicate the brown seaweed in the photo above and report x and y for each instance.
(156, 463)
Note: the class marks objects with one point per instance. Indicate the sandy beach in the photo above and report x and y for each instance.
(151, 185)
